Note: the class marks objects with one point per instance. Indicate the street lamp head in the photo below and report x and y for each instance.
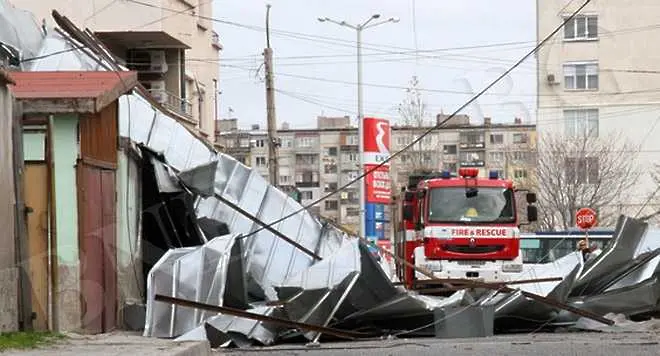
(322, 19)
(375, 16)
(394, 19)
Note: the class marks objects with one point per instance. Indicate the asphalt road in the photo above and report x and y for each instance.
(558, 344)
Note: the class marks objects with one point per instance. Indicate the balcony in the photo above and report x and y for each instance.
(472, 141)
(173, 102)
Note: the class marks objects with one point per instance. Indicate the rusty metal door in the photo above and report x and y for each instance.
(36, 199)
(96, 188)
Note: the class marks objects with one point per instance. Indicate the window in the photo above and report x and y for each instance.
(306, 159)
(307, 177)
(403, 141)
(261, 161)
(332, 151)
(306, 195)
(352, 140)
(584, 170)
(472, 137)
(286, 142)
(449, 149)
(331, 205)
(496, 156)
(450, 205)
(330, 168)
(520, 138)
(581, 76)
(305, 141)
(581, 122)
(353, 157)
(450, 167)
(330, 187)
(520, 173)
(426, 157)
(351, 211)
(497, 139)
(260, 143)
(520, 156)
(285, 179)
(581, 28)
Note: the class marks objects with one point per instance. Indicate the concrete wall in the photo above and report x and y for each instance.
(8, 270)
(627, 99)
(65, 154)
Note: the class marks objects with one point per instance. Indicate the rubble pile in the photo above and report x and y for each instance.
(332, 280)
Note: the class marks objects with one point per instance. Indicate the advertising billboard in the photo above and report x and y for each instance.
(376, 138)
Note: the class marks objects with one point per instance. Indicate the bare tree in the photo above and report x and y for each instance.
(413, 122)
(651, 206)
(583, 171)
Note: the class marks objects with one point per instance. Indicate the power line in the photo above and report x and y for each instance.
(351, 43)
(445, 91)
(438, 125)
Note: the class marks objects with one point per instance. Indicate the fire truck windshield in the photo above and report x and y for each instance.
(450, 205)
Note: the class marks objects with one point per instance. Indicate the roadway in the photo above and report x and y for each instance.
(555, 344)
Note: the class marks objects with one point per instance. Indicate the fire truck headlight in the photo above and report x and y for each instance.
(512, 267)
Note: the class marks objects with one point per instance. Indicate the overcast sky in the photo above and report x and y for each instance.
(315, 63)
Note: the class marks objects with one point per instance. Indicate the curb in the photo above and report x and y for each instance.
(192, 348)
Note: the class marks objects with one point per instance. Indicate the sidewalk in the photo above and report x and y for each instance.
(120, 343)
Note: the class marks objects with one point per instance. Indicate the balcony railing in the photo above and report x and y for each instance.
(307, 184)
(475, 163)
(472, 145)
(173, 102)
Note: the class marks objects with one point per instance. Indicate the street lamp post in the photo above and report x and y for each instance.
(358, 29)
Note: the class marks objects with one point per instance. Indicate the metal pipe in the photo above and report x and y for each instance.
(350, 335)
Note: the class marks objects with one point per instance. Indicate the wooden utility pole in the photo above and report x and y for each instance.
(273, 141)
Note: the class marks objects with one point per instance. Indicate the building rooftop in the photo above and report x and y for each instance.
(98, 88)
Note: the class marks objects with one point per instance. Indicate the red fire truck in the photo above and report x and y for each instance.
(462, 226)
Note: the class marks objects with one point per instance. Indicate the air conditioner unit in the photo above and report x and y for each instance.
(157, 90)
(551, 79)
(158, 62)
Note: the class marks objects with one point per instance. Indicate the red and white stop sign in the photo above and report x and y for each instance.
(585, 218)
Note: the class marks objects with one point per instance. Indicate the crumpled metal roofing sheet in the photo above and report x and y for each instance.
(270, 262)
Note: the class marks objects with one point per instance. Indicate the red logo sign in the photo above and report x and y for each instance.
(376, 138)
(585, 218)
(377, 184)
(376, 135)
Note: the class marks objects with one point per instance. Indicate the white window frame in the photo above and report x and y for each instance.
(591, 69)
(581, 36)
(261, 161)
(584, 122)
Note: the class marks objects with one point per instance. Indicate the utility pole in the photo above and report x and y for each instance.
(358, 28)
(273, 141)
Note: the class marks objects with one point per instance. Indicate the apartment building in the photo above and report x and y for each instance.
(598, 77)
(171, 43)
(318, 161)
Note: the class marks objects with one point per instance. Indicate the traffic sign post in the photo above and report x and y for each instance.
(585, 219)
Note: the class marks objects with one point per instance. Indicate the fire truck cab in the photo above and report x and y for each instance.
(462, 226)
